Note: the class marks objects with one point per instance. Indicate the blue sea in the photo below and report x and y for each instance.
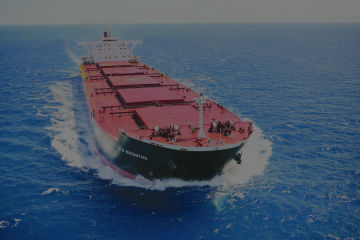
(300, 175)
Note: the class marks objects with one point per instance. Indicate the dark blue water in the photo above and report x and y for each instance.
(300, 178)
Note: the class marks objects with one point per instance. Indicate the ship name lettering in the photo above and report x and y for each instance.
(136, 155)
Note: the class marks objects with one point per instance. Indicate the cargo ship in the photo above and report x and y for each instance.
(148, 124)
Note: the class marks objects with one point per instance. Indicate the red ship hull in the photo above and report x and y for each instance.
(146, 123)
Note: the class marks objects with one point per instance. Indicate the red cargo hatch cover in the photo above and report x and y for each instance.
(168, 115)
(139, 96)
(105, 101)
(114, 64)
(96, 85)
(131, 80)
(121, 71)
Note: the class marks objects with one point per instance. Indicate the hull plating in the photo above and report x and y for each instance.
(155, 162)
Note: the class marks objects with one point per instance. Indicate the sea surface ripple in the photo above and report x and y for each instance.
(300, 178)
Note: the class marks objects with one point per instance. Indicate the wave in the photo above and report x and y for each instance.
(50, 190)
(72, 55)
(62, 129)
(4, 224)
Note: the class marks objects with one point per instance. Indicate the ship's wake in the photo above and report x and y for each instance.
(71, 135)
(62, 128)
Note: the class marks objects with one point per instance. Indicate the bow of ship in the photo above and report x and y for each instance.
(148, 124)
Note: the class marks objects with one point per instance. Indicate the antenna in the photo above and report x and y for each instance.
(108, 31)
(201, 100)
(107, 34)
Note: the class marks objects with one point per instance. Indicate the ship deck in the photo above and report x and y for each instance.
(147, 105)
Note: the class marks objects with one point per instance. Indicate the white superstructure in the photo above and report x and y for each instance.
(110, 49)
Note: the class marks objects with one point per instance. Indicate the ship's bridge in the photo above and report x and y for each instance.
(110, 48)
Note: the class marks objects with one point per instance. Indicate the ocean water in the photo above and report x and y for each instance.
(300, 176)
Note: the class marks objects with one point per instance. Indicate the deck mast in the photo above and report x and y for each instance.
(201, 100)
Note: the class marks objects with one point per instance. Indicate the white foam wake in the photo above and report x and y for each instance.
(62, 128)
(73, 56)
